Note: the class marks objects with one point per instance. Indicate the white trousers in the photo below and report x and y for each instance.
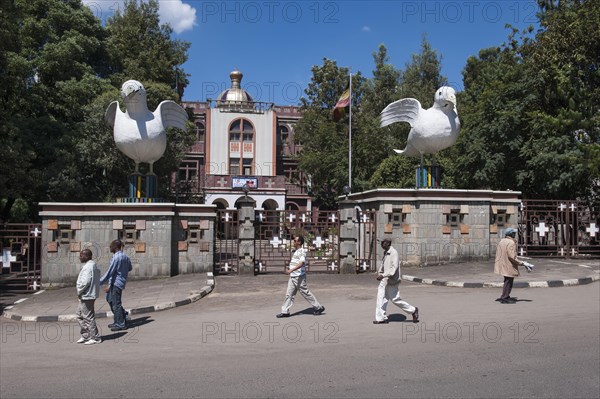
(296, 284)
(389, 292)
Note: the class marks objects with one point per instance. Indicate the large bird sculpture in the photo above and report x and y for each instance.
(139, 133)
(433, 129)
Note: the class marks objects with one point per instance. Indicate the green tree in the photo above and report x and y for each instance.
(562, 150)
(56, 65)
(50, 52)
(492, 110)
(140, 48)
(530, 109)
(370, 143)
(324, 155)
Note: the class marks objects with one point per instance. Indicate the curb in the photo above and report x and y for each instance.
(193, 297)
(517, 284)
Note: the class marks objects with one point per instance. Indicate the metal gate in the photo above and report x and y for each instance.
(276, 230)
(273, 234)
(366, 241)
(226, 251)
(558, 228)
(20, 246)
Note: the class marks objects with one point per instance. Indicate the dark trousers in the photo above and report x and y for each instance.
(114, 300)
(507, 288)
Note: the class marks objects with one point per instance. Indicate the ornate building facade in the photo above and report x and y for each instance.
(243, 148)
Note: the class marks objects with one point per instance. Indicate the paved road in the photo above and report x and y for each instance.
(229, 344)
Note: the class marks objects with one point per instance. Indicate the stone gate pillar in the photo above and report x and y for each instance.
(348, 237)
(246, 220)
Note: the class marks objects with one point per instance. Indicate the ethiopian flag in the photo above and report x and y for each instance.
(343, 102)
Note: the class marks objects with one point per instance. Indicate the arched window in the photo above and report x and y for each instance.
(284, 132)
(241, 147)
(200, 131)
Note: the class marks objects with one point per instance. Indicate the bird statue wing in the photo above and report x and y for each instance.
(111, 113)
(404, 110)
(172, 114)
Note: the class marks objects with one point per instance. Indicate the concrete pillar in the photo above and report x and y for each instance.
(348, 237)
(246, 237)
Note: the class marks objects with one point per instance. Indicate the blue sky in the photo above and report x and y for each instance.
(275, 43)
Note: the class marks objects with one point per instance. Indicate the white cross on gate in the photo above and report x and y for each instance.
(35, 232)
(573, 253)
(573, 207)
(275, 242)
(562, 252)
(593, 229)
(542, 229)
(318, 242)
(304, 218)
(222, 182)
(261, 216)
(521, 251)
(226, 217)
(364, 266)
(332, 217)
(291, 217)
(364, 218)
(562, 207)
(332, 266)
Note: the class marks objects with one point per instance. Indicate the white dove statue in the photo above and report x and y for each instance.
(433, 129)
(139, 133)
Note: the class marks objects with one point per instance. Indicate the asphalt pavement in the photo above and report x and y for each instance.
(146, 296)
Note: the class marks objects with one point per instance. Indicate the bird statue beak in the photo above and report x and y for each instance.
(130, 89)
(452, 99)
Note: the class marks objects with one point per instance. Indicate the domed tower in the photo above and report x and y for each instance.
(235, 98)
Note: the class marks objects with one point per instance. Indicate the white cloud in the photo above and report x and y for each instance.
(366, 29)
(179, 15)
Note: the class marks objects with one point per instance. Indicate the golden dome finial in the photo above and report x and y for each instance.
(236, 78)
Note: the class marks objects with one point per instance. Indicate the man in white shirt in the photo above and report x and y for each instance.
(297, 281)
(388, 276)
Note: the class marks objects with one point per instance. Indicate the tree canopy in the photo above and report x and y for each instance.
(530, 108)
(530, 114)
(59, 70)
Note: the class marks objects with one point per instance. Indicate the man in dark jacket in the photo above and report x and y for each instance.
(116, 278)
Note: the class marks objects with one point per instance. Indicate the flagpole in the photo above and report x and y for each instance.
(350, 136)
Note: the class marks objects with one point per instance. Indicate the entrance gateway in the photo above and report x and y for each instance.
(273, 234)
(427, 227)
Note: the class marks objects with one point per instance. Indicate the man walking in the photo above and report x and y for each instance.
(88, 288)
(297, 281)
(388, 276)
(506, 264)
(116, 278)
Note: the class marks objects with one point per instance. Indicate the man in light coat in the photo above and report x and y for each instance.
(507, 264)
(388, 276)
(88, 288)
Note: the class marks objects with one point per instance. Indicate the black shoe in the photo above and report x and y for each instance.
(510, 299)
(415, 315)
(280, 315)
(111, 325)
(114, 328)
(319, 310)
(380, 322)
(505, 301)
